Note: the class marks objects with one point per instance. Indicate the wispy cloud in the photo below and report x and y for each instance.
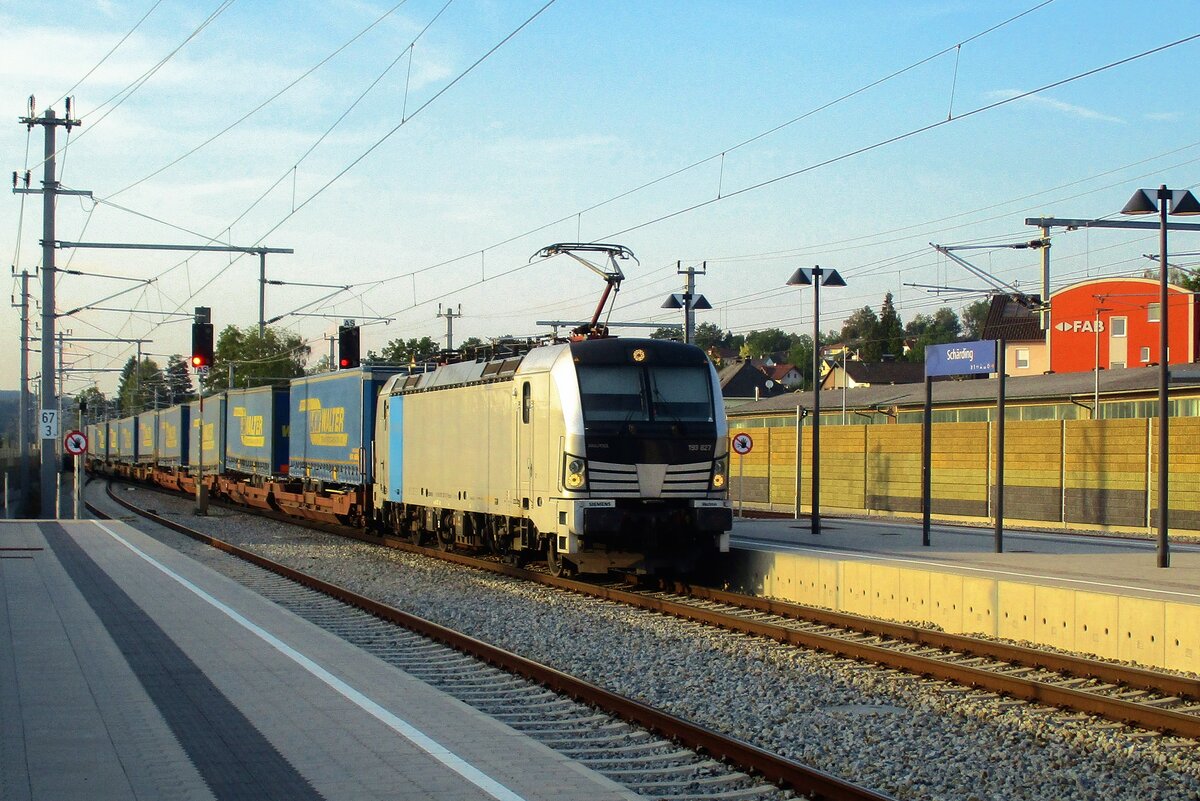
(1055, 105)
(1165, 116)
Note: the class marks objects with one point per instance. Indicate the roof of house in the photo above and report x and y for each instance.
(876, 373)
(1052, 386)
(778, 372)
(1011, 320)
(742, 380)
(721, 354)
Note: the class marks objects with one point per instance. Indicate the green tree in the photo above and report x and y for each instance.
(801, 355)
(322, 364)
(890, 333)
(672, 332)
(139, 385)
(178, 381)
(471, 343)
(768, 341)
(861, 331)
(1188, 279)
(273, 357)
(91, 403)
(940, 328)
(402, 351)
(973, 318)
(709, 335)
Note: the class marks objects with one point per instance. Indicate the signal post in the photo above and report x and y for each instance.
(202, 358)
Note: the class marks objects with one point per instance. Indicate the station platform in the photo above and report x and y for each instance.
(130, 671)
(1093, 595)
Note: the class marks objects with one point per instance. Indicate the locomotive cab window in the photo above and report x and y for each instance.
(526, 401)
(680, 393)
(612, 393)
(632, 393)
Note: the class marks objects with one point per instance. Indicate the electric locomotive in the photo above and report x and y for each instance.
(600, 454)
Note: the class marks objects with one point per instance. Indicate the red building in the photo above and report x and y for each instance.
(1114, 323)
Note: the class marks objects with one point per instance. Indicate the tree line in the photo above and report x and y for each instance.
(868, 335)
(244, 358)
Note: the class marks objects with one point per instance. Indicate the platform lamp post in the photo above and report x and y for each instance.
(816, 277)
(1163, 201)
(690, 303)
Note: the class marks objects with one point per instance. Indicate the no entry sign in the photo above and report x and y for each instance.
(75, 443)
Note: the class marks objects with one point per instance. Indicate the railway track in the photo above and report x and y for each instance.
(647, 750)
(1148, 699)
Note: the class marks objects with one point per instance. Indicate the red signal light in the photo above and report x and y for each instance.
(344, 362)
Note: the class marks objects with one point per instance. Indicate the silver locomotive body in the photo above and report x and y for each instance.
(601, 454)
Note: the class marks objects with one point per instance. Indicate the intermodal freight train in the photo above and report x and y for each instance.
(596, 455)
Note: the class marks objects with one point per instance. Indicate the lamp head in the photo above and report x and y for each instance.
(802, 277)
(1184, 202)
(832, 278)
(673, 301)
(1141, 203)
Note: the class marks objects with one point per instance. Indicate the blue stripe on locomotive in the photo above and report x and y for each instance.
(256, 425)
(395, 446)
(332, 425)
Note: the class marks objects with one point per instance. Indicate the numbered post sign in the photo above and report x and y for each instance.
(48, 423)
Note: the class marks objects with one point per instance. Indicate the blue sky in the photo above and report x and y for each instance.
(544, 140)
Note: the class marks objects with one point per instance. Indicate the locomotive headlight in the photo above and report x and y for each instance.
(718, 474)
(574, 472)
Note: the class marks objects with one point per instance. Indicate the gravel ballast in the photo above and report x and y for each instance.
(900, 734)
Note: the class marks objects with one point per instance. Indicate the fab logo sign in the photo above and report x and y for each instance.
(1081, 326)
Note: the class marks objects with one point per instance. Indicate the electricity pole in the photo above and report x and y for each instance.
(449, 315)
(689, 292)
(48, 422)
(689, 301)
(23, 397)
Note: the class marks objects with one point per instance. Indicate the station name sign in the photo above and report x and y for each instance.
(961, 358)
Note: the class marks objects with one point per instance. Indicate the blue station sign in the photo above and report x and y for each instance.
(960, 358)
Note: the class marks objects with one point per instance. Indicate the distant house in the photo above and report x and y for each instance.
(853, 374)
(722, 356)
(784, 374)
(1025, 351)
(742, 382)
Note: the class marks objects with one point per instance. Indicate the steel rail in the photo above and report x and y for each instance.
(802, 778)
(1133, 677)
(1028, 689)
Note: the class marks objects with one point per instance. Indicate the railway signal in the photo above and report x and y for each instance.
(348, 345)
(202, 338)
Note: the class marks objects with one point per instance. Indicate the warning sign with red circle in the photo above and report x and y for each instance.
(743, 444)
(75, 443)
